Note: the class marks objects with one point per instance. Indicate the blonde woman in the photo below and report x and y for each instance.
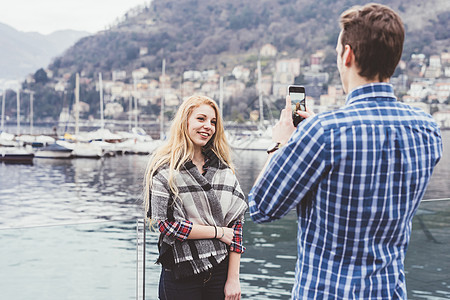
(193, 195)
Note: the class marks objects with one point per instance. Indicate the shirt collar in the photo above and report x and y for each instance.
(371, 90)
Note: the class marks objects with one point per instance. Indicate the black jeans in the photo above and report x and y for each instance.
(207, 285)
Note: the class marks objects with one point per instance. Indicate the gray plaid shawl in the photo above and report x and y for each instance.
(213, 199)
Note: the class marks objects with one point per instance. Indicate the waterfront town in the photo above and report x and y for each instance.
(422, 81)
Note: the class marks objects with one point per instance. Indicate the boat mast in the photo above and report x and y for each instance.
(77, 102)
(100, 84)
(163, 92)
(130, 109)
(261, 114)
(18, 111)
(3, 111)
(31, 112)
(221, 95)
(135, 102)
(31, 93)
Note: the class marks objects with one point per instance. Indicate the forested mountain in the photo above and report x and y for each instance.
(203, 34)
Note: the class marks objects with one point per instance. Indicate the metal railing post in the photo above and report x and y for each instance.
(137, 259)
(143, 260)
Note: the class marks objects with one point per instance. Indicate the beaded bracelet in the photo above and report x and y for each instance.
(223, 233)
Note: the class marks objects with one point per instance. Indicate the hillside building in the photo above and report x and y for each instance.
(233, 88)
(445, 58)
(143, 51)
(442, 118)
(139, 73)
(418, 58)
(419, 89)
(434, 67)
(192, 75)
(60, 86)
(268, 50)
(316, 61)
(285, 72)
(241, 73)
(442, 90)
(113, 109)
(119, 75)
(266, 84)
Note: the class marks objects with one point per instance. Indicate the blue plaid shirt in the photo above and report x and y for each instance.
(356, 176)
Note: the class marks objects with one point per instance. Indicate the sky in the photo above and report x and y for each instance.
(47, 16)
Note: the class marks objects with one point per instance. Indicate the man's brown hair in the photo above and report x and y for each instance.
(375, 33)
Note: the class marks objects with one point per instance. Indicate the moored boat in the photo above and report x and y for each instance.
(87, 150)
(53, 151)
(15, 155)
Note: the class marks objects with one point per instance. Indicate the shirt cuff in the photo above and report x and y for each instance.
(179, 230)
(236, 243)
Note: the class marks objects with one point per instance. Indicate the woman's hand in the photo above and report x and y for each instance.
(228, 234)
(232, 289)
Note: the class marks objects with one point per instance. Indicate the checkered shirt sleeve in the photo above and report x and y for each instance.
(291, 173)
(236, 243)
(179, 230)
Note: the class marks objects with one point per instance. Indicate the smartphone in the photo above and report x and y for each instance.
(297, 93)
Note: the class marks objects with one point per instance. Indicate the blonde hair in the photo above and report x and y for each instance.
(180, 148)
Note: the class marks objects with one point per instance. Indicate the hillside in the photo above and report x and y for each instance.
(202, 34)
(22, 53)
(212, 35)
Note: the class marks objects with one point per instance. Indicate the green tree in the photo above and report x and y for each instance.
(40, 76)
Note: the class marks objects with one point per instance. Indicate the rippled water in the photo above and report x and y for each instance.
(68, 231)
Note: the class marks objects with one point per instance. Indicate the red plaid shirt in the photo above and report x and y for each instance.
(181, 230)
(236, 243)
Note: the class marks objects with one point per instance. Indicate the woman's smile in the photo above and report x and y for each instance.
(202, 125)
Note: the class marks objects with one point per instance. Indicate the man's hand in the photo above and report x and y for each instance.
(284, 128)
(306, 114)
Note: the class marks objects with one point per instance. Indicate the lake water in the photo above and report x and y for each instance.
(69, 230)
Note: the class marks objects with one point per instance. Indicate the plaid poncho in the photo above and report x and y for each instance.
(211, 199)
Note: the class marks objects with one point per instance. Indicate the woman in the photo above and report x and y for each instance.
(193, 194)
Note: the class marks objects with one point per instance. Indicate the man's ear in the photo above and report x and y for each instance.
(348, 56)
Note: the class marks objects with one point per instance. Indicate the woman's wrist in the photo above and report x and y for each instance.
(231, 277)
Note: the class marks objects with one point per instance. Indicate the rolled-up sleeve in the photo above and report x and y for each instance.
(236, 243)
(178, 230)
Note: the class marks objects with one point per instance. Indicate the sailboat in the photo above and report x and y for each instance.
(80, 148)
(81, 145)
(8, 140)
(12, 150)
(15, 155)
(260, 139)
(137, 142)
(54, 150)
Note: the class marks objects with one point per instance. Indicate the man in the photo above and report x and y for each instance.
(355, 175)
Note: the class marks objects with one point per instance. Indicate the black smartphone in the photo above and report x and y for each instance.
(297, 93)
